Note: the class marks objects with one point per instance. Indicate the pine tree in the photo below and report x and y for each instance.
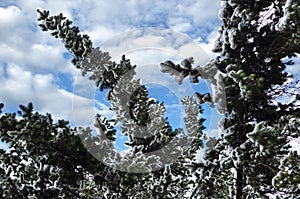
(249, 156)
(45, 159)
(152, 141)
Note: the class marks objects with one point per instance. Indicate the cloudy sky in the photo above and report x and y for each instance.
(35, 67)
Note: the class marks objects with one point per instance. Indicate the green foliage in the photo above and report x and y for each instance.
(78, 45)
(162, 182)
(248, 155)
(252, 157)
(44, 159)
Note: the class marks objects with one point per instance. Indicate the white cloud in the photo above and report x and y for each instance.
(22, 45)
(20, 87)
(180, 24)
(84, 111)
(35, 59)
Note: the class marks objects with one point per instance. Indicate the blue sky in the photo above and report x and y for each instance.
(35, 67)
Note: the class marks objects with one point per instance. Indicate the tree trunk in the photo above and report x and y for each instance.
(239, 184)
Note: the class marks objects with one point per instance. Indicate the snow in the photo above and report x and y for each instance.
(210, 73)
(283, 21)
(223, 5)
(235, 158)
(295, 145)
(266, 16)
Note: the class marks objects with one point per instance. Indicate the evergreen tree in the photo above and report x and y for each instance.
(152, 141)
(45, 159)
(249, 156)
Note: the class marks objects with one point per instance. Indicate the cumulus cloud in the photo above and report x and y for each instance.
(20, 87)
(23, 45)
(33, 63)
(130, 14)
